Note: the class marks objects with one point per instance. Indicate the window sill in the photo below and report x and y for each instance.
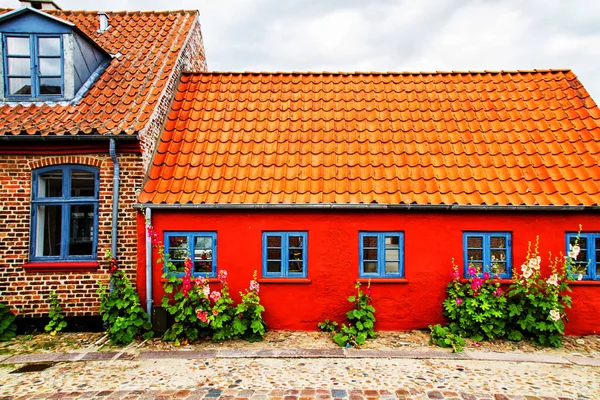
(64, 266)
(209, 280)
(284, 280)
(383, 280)
(584, 283)
(502, 281)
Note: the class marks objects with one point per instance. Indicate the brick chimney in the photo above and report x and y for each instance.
(42, 5)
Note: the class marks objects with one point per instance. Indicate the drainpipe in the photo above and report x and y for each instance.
(149, 300)
(115, 204)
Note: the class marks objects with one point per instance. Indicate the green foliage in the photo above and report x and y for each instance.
(248, 323)
(182, 301)
(328, 326)
(121, 311)
(477, 308)
(223, 312)
(8, 327)
(57, 317)
(362, 320)
(444, 337)
(536, 305)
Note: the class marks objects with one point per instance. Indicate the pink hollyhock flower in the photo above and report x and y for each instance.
(202, 315)
(471, 271)
(215, 296)
(215, 312)
(254, 287)
(458, 301)
(455, 274)
(498, 292)
(486, 275)
(222, 276)
(554, 315)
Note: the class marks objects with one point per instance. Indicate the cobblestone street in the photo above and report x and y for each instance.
(301, 374)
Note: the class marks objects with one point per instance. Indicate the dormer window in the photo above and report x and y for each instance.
(33, 65)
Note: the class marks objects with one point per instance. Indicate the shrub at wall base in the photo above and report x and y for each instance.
(362, 320)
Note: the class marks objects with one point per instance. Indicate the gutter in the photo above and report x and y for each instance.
(372, 206)
(78, 138)
(149, 298)
(115, 199)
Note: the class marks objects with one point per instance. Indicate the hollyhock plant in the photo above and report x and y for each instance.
(476, 307)
(537, 304)
(249, 324)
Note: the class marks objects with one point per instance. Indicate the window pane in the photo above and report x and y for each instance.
(497, 242)
(370, 254)
(82, 230)
(19, 86)
(17, 45)
(392, 241)
(274, 266)
(391, 267)
(296, 266)
(49, 228)
(474, 254)
(83, 184)
(19, 66)
(369, 267)
(200, 254)
(178, 254)
(50, 66)
(177, 241)
(273, 254)
(497, 255)
(50, 86)
(391, 255)
(203, 242)
(273, 241)
(369, 241)
(295, 241)
(49, 46)
(179, 266)
(475, 242)
(50, 184)
(498, 268)
(203, 266)
(295, 254)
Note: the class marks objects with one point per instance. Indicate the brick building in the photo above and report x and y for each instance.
(84, 97)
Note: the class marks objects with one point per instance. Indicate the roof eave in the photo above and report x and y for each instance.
(373, 206)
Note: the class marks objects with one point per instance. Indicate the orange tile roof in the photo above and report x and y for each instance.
(124, 96)
(468, 138)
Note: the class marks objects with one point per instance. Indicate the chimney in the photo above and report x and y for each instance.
(43, 5)
(103, 21)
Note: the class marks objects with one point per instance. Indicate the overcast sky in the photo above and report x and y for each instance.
(386, 35)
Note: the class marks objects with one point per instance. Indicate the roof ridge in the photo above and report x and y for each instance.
(453, 72)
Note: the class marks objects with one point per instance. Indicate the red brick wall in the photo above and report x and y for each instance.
(26, 292)
(191, 58)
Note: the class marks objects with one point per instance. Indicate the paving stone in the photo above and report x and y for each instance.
(516, 357)
(338, 393)
(592, 362)
(99, 356)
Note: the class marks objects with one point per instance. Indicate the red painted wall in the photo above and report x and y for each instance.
(431, 240)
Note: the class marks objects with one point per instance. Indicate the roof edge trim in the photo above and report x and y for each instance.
(19, 11)
(415, 207)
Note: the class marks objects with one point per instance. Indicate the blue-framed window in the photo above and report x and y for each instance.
(64, 213)
(285, 254)
(488, 252)
(381, 254)
(587, 263)
(201, 247)
(33, 66)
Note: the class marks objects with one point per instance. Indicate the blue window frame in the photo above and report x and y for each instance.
(64, 213)
(381, 254)
(488, 252)
(587, 263)
(201, 247)
(285, 254)
(33, 66)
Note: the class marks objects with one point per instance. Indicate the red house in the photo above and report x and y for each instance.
(317, 180)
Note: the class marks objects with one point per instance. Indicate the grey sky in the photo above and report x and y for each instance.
(386, 35)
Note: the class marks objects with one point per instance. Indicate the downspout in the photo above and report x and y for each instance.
(115, 204)
(149, 300)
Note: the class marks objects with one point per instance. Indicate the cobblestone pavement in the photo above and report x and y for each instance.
(300, 374)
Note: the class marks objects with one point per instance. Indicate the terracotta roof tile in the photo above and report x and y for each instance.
(504, 138)
(123, 97)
